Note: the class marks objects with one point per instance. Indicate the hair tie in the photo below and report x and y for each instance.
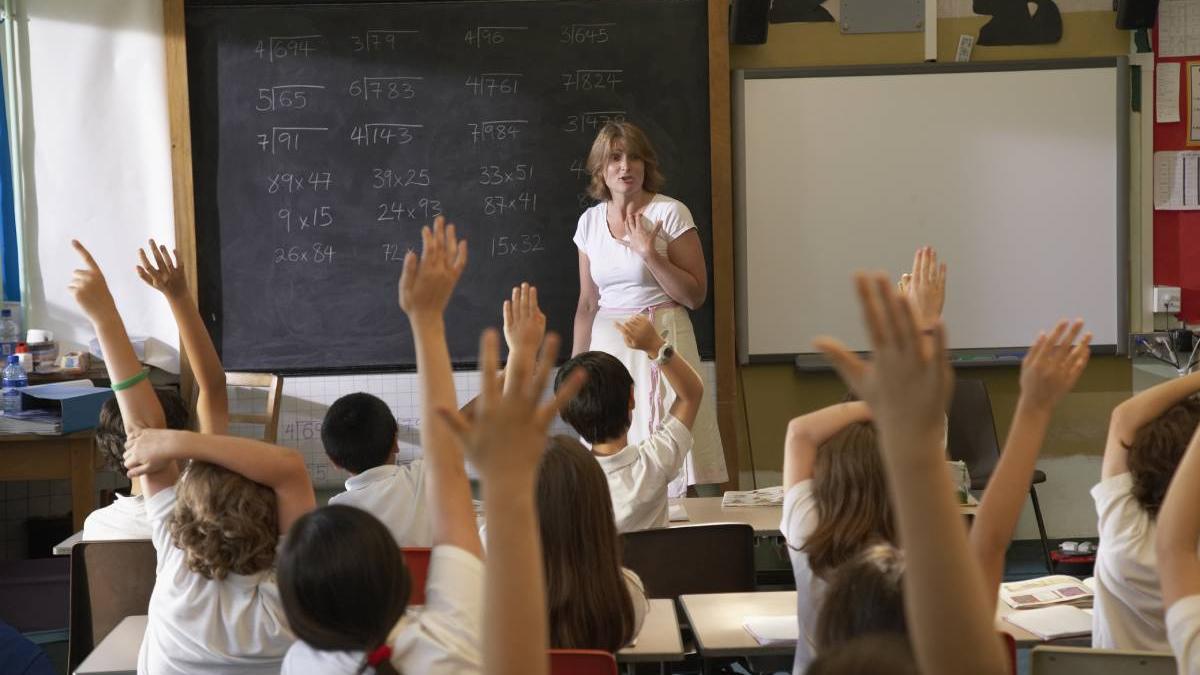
(382, 653)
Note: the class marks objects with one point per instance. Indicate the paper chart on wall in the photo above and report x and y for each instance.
(1178, 28)
(1166, 92)
(1177, 180)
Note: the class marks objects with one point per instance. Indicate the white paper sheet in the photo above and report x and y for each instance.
(1178, 28)
(1166, 92)
(1177, 180)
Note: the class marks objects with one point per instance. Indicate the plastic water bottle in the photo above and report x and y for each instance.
(13, 379)
(10, 332)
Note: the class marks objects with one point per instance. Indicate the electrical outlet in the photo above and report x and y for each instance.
(1167, 299)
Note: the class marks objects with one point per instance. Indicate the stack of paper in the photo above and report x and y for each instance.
(768, 496)
(31, 422)
(773, 630)
(1050, 623)
(1058, 589)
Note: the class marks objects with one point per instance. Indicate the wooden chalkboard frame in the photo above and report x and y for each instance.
(722, 200)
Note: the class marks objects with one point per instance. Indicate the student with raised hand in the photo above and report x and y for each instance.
(638, 474)
(1147, 436)
(907, 385)
(1176, 540)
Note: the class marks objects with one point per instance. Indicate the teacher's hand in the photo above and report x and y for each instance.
(641, 241)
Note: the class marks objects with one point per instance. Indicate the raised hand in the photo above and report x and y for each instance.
(524, 322)
(1053, 364)
(925, 286)
(165, 274)
(89, 288)
(426, 283)
(640, 334)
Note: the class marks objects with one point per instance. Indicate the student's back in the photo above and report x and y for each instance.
(360, 436)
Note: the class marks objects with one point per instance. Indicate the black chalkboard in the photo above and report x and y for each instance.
(325, 135)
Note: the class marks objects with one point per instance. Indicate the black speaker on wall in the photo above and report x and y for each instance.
(748, 21)
(1132, 14)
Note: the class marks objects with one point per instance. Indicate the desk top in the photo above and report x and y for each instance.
(659, 639)
(764, 519)
(64, 547)
(117, 653)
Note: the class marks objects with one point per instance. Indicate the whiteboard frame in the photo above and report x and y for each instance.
(998, 356)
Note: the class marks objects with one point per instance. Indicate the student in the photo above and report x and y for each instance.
(638, 475)
(214, 608)
(360, 435)
(1176, 540)
(1147, 436)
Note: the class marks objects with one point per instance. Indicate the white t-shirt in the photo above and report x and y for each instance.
(1183, 629)
(200, 625)
(443, 636)
(621, 275)
(396, 496)
(637, 596)
(638, 476)
(799, 520)
(1128, 606)
(123, 519)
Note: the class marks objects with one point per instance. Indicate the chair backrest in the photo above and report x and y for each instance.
(269, 418)
(110, 580)
(582, 662)
(1047, 660)
(417, 562)
(972, 431)
(674, 561)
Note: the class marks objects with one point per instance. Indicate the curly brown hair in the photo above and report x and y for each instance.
(224, 522)
(1156, 451)
(635, 144)
(110, 430)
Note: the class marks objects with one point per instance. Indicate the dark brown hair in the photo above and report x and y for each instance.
(1156, 451)
(877, 654)
(586, 593)
(600, 411)
(342, 581)
(865, 596)
(851, 495)
(110, 430)
(224, 522)
(635, 144)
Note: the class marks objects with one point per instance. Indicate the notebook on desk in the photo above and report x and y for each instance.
(1053, 622)
(773, 630)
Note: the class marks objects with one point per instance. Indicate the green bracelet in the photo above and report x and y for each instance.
(125, 384)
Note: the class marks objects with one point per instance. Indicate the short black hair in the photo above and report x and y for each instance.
(358, 432)
(600, 411)
(110, 429)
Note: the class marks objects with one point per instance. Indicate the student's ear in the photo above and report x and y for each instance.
(632, 400)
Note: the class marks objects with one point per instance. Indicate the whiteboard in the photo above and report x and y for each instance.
(1016, 173)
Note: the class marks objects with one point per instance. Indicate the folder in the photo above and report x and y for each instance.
(77, 401)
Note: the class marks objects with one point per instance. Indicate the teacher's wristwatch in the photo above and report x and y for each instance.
(665, 354)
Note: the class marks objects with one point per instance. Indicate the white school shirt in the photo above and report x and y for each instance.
(200, 625)
(396, 496)
(638, 475)
(637, 597)
(443, 636)
(1128, 606)
(123, 519)
(1183, 629)
(800, 518)
(621, 275)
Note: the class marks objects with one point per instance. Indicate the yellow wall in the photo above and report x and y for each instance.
(774, 394)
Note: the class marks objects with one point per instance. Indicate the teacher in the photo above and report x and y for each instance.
(639, 253)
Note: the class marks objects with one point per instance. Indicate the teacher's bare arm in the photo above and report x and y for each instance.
(585, 311)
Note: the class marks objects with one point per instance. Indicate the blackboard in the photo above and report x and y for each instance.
(325, 135)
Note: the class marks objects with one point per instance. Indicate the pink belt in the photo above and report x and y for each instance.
(656, 402)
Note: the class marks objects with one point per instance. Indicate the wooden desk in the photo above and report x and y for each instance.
(764, 519)
(117, 653)
(659, 640)
(72, 456)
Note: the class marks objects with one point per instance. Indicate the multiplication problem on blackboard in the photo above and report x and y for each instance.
(383, 179)
(292, 183)
(494, 174)
(319, 216)
(499, 205)
(318, 253)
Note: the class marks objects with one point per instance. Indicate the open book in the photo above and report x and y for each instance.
(1049, 623)
(1057, 589)
(773, 630)
(768, 496)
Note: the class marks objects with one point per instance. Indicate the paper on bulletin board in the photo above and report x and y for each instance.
(1166, 92)
(1193, 74)
(1177, 180)
(1178, 28)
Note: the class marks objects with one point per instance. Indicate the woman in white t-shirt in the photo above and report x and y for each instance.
(639, 252)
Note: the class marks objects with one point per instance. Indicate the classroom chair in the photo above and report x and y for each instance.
(110, 580)
(582, 662)
(417, 561)
(269, 418)
(674, 561)
(972, 439)
(1049, 660)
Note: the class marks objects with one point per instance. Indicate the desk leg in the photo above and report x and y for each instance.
(83, 480)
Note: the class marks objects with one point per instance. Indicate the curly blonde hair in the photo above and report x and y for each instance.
(636, 145)
(224, 522)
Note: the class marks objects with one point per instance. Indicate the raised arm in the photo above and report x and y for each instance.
(808, 432)
(1135, 413)
(1178, 530)
(681, 272)
(640, 334)
(506, 440)
(907, 385)
(925, 287)
(1050, 369)
(586, 309)
(524, 330)
(139, 405)
(425, 288)
(166, 275)
(279, 468)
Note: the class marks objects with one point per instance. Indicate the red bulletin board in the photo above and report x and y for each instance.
(1177, 233)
